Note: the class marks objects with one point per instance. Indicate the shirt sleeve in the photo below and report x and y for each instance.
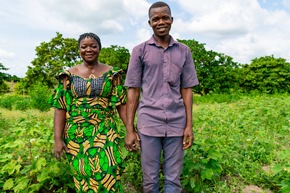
(61, 97)
(134, 71)
(188, 76)
(119, 92)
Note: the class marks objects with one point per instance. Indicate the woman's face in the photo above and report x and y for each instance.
(89, 50)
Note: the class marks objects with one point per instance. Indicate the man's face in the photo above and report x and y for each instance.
(160, 20)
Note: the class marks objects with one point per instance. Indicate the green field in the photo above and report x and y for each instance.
(241, 145)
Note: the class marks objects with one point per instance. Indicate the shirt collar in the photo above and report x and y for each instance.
(153, 41)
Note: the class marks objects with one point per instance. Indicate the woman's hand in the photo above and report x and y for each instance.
(59, 148)
(132, 141)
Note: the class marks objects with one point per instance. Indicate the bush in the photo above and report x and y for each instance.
(23, 104)
(39, 97)
(267, 75)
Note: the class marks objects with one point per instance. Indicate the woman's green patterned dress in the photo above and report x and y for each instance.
(90, 132)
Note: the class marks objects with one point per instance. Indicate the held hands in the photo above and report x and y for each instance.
(59, 148)
(188, 138)
(132, 141)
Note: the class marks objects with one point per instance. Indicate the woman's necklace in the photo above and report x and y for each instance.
(92, 72)
(92, 75)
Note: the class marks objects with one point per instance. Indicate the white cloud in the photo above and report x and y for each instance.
(243, 29)
(5, 54)
(286, 3)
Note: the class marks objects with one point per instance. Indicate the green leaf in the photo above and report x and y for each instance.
(213, 154)
(277, 168)
(9, 168)
(192, 183)
(35, 187)
(8, 184)
(43, 176)
(206, 174)
(5, 157)
(40, 162)
(22, 184)
(54, 167)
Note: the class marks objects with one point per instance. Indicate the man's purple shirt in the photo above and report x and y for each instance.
(160, 73)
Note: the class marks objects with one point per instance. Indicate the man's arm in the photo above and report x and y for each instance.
(132, 139)
(188, 136)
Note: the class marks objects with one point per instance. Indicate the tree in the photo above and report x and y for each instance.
(51, 57)
(115, 56)
(3, 76)
(266, 74)
(216, 72)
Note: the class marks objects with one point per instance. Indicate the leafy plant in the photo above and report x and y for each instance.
(266, 74)
(26, 160)
(239, 140)
(39, 97)
(201, 166)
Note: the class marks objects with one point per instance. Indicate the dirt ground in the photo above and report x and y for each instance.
(254, 189)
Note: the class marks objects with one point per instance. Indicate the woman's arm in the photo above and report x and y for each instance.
(122, 113)
(59, 124)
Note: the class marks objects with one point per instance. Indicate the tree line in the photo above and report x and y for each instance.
(217, 72)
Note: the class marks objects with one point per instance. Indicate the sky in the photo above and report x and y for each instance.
(242, 29)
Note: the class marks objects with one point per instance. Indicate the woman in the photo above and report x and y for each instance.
(84, 125)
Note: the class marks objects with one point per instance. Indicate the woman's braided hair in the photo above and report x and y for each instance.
(90, 35)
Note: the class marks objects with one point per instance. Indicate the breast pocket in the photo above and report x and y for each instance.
(175, 71)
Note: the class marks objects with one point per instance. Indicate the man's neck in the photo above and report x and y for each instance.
(162, 41)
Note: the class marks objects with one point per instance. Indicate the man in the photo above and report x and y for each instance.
(162, 70)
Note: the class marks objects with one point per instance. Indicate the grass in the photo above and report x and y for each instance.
(17, 114)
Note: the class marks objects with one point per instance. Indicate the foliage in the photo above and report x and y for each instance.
(4, 88)
(19, 88)
(3, 75)
(248, 134)
(16, 102)
(267, 75)
(23, 103)
(39, 97)
(240, 140)
(204, 168)
(216, 72)
(115, 56)
(51, 57)
(6, 102)
(26, 160)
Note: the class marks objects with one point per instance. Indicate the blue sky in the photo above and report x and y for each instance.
(242, 29)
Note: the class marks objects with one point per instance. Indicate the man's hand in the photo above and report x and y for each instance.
(59, 148)
(188, 137)
(132, 141)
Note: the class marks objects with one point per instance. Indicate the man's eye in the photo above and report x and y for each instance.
(166, 18)
(155, 20)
